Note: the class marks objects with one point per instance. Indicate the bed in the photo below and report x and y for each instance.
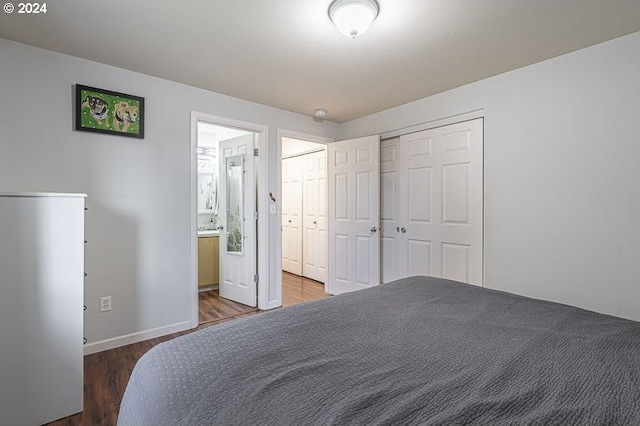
(416, 351)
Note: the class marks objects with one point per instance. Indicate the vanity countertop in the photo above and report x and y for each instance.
(209, 233)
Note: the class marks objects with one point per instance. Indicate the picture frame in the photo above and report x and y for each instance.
(105, 111)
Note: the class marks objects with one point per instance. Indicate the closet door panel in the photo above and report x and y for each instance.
(419, 257)
(315, 217)
(392, 248)
(292, 215)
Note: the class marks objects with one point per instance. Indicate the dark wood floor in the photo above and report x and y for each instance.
(106, 373)
(212, 307)
(297, 289)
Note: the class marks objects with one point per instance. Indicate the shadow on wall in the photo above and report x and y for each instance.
(111, 263)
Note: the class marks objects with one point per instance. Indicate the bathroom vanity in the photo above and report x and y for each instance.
(208, 258)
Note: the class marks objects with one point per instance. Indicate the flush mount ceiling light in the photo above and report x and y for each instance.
(353, 17)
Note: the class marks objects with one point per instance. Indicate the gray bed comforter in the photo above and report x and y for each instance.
(416, 351)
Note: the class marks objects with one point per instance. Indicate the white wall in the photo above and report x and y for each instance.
(137, 225)
(562, 174)
(291, 147)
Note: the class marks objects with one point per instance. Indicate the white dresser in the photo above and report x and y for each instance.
(41, 306)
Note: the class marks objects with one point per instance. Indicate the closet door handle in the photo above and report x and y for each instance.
(403, 230)
(314, 222)
(373, 229)
(397, 229)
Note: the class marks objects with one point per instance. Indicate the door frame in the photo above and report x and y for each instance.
(262, 168)
(284, 133)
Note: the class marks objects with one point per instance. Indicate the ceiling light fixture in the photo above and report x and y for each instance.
(353, 17)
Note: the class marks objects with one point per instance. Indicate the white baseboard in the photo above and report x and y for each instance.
(116, 342)
(208, 288)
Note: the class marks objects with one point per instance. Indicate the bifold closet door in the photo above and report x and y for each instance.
(432, 192)
(393, 264)
(314, 212)
(292, 215)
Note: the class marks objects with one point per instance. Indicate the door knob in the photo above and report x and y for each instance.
(373, 229)
(314, 222)
(397, 229)
(220, 227)
(403, 230)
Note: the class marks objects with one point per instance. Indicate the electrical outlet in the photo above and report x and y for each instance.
(105, 303)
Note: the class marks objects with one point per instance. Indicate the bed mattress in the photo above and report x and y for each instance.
(416, 351)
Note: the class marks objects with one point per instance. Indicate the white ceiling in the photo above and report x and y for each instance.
(287, 53)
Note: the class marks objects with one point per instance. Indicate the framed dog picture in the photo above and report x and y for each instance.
(104, 111)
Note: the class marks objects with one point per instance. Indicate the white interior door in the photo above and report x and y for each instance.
(314, 211)
(292, 215)
(354, 214)
(238, 221)
(432, 215)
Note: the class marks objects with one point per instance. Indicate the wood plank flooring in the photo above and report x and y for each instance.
(296, 289)
(106, 373)
(212, 307)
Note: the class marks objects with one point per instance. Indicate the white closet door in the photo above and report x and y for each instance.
(314, 252)
(458, 210)
(392, 243)
(432, 196)
(417, 193)
(354, 214)
(406, 176)
(292, 215)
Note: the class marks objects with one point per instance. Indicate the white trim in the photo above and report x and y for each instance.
(277, 240)
(299, 154)
(42, 194)
(262, 137)
(292, 134)
(140, 336)
(444, 121)
(193, 217)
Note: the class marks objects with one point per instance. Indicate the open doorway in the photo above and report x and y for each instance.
(211, 305)
(304, 217)
(224, 208)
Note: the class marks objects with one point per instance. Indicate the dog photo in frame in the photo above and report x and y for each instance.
(105, 111)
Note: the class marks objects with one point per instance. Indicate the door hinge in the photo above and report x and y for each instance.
(255, 215)
(255, 152)
(256, 278)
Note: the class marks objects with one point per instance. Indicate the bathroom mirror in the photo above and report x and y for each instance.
(235, 195)
(205, 193)
(207, 185)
